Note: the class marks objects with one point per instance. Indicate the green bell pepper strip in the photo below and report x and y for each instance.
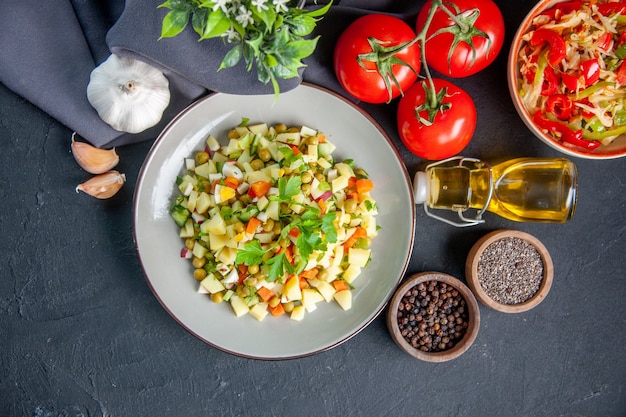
(600, 135)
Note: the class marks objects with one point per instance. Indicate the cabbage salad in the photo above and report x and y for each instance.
(572, 72)
(272, 224)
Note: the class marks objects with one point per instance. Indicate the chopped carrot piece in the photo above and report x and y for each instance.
(358, 233)
(309, 273)
(321, 138)
(352, 183)
(294, 232)
(340, 285)
(289, 253)
(322, 206)
(265, 293)
(252, 225)
(295, 149)
(303, 283)
(260, 188)
(364, 185)
(276, 311)
(231, 182)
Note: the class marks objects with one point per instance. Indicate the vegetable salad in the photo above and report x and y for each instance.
(272, 223)
(573, 74)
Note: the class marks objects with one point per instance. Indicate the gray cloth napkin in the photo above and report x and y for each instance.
(49, 49)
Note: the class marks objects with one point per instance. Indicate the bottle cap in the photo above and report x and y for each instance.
(420, 187)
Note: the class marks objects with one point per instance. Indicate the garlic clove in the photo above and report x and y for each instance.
(103, 186)
(94, 160)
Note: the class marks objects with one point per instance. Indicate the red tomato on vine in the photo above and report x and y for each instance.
(436, 127)
(472, 39)
(366, 63)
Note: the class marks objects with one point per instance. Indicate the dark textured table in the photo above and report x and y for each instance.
(82, 335)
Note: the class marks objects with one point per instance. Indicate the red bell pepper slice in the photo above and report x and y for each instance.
(556, 44)
(608, 9)
(605, 41)
(560, 9)
(590, 70)
(560, 105)
(550, 83)
(570, 81)
(572, 137)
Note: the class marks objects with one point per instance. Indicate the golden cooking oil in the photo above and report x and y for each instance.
(522, 189)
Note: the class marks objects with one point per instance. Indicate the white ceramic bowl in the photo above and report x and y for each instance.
(615, 149)
(356, 136)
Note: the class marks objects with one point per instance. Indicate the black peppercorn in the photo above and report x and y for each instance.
(436, 317)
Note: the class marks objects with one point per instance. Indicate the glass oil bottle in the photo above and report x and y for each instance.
(521, 189)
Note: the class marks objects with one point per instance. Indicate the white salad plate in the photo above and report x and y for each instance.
(356, 135)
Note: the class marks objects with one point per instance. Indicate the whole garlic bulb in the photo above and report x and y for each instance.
(128, 94)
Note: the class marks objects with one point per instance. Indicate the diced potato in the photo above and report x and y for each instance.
(358, 257)
(307, 131)
(259, 129)
(187, 230)
(215, 225)
(212, 284)
(369, 223)
(291, 290)
(217, 242)
(262, 203)
(326, 289)
(239, 306)
(293, 138)
(212, 143)
(297, 208)
(323, 162)
(338, 255)
(191, 201)
(310, 297)
(297, 313)
(344, 299)
(255, 176)
(344, 169)
(273, 210)
(351, 272)
(227, 255)
(203, 203)
(198, 250)
(259, 311)
(340, 183)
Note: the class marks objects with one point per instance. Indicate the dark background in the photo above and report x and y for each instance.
(82, 335)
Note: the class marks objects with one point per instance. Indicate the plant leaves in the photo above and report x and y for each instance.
(216, 25)
(198, 21)
(232, 57)
(174, 22)
(302, 25)
(319, 12)
(251, 254)
(268, 17)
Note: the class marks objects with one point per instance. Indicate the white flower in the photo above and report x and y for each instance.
(260, 4)
(221, 4)
(232, 35)
(281, 5)
(244, 16)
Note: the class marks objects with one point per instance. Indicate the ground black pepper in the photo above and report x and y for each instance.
(432, 316)
(510, 270)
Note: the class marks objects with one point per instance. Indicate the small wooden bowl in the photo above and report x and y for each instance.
(473, 278)
(470, 332)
